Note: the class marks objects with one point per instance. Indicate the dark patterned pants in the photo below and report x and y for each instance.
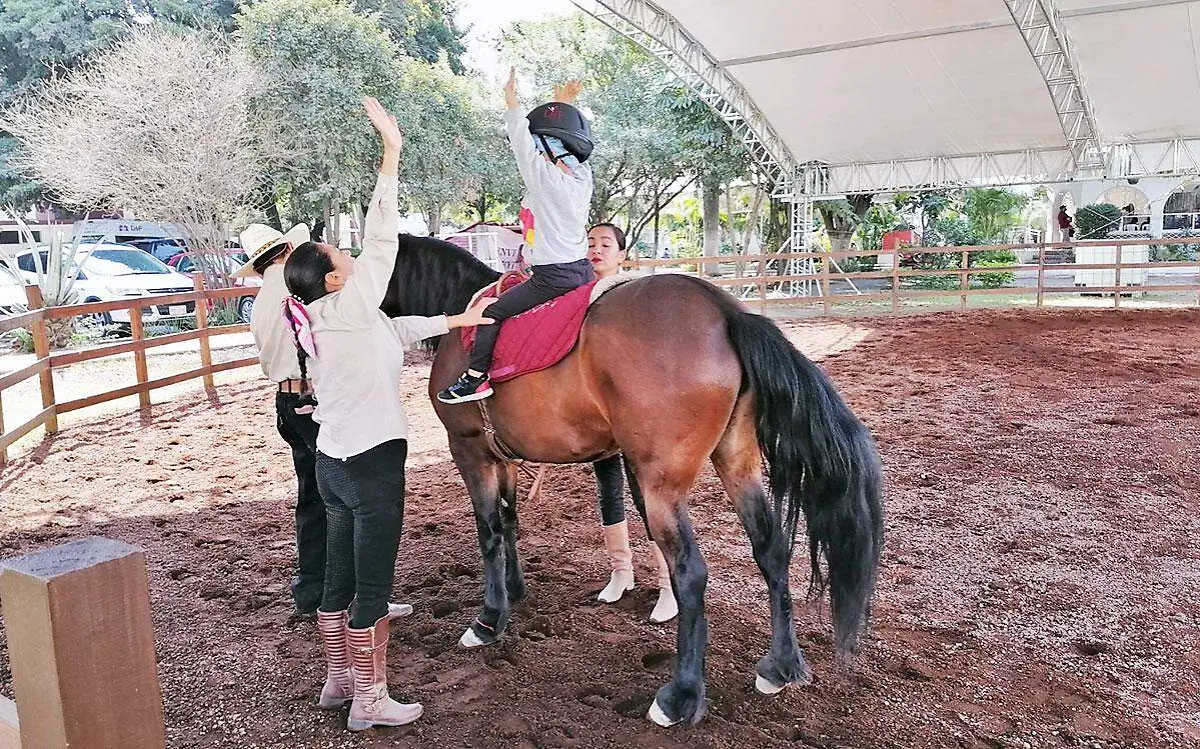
(364, 503)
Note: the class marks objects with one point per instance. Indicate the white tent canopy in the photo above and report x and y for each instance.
(874, 95)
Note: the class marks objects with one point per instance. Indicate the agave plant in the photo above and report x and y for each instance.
(56, 271)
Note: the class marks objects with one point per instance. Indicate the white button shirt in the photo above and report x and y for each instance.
(360, 351)
(276, 346)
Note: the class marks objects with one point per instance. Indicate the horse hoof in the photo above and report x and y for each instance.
(767, 687)
(471, 640)
(659, 718)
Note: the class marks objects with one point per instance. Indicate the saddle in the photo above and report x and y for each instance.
(536, 339)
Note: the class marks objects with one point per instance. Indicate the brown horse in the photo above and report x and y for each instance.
(671, 372)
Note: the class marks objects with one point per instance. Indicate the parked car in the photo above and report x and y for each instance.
(162, 248)
(12, 295)
(114, 272)
(185, 262)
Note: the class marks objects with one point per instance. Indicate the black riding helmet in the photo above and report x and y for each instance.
(565, 122)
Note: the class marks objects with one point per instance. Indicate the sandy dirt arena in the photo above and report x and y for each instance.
(1039, 587)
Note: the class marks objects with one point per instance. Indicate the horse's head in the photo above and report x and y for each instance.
(433, 277)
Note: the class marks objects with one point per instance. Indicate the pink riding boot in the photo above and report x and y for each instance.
(620, 556)
(666, 608)
(372, 706)
(338, 689)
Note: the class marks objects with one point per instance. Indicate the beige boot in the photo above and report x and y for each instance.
(338, 689)
(666, 609)
(372, 705)
(616, 543)
(397, 610)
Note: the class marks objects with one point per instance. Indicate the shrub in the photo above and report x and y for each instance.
(994, 280)
(1097, 220)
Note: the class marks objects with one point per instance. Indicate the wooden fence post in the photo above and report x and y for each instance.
(825, 260)
(202, 326)
(3, 455)
(896, 283)
(81, 646)
(762, 285)
(139, 355)
(41, 349)
(1117, 279)
(1041, 289)
(964, 279)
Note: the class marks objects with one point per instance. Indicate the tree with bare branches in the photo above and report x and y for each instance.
(159, 125)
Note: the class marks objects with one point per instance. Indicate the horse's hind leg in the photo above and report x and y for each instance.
(665, 493)
(738, 462)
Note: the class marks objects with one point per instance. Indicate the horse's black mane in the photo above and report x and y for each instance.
(433, 277)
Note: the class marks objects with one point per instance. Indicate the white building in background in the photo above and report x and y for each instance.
(1163, 207)
(43, 223)
(1151, 208)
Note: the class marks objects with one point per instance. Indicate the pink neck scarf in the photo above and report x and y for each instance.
(296, 316)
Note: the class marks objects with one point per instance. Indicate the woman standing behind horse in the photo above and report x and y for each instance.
(357, 356)
(606, 252)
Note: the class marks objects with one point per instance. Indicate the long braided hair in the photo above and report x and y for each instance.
(304, 273)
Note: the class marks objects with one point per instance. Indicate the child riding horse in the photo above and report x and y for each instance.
(551, 144)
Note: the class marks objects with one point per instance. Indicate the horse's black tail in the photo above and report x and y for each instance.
(822, 461)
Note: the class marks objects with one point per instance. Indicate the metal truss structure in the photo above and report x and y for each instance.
(661, 35)
(1168, 158)
(1038, 22)
(1083, 157)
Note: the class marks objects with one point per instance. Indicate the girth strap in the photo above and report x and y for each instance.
(508, 455)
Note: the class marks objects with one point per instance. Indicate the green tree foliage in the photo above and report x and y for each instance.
(441, 125)
(494, 187)
(879, 220)
(991, 212)
(321, 58)
(40, 36)
(424, 29)
(842, 217)
(1097, 220)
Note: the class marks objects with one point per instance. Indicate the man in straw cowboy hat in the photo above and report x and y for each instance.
(267, 250)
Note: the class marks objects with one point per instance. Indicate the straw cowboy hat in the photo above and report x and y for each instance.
(258, 239)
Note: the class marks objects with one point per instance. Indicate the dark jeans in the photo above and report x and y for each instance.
(548, 282)
(300, 432)
(364, 501)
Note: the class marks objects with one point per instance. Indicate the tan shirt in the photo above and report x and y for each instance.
(276, 346)
(360, 351)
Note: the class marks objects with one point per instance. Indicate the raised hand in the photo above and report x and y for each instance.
(385, 123)
(568, 92)
(510, 90)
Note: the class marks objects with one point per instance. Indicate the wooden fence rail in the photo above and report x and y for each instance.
(37, 319)
(825, 272)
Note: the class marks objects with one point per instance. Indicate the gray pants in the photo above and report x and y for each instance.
(548, 282)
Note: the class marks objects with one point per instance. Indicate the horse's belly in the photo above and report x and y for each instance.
(547, 417)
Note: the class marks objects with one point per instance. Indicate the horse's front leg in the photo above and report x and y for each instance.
(481, 472)
(514, 579)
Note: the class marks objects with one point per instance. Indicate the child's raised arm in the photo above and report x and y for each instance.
(510, 90)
